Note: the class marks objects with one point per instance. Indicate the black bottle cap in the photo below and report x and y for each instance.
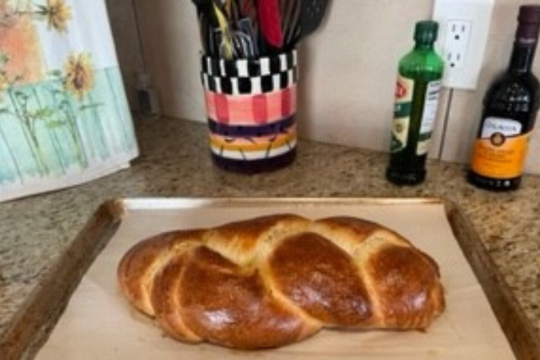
(529, 14)
(529, 24)
(426, 31)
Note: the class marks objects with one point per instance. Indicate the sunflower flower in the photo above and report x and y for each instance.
(79, 78)
(57, 14)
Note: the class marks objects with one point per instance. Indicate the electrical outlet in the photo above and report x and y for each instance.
(456, 43)
(464, 30)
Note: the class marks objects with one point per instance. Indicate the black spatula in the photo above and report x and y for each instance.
(312, 14)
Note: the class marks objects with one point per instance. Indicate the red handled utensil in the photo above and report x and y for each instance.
(270, 22)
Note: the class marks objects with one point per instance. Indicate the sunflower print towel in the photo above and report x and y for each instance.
(64, 116)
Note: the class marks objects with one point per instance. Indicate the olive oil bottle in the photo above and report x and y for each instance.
(417, 98)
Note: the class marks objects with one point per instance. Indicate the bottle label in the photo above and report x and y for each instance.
(501, 149)
(402, 113)
(429, 114)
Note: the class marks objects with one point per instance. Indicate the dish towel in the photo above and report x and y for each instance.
(64, 115)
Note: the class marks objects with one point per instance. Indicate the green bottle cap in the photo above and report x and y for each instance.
(426, 31)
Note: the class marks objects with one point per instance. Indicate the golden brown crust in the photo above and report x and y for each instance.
(139, 266)
(167, 306)
(275, 280)
(233, 307)
(326, 286)
(407, 286)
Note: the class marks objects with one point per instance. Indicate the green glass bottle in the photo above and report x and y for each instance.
(417, 98)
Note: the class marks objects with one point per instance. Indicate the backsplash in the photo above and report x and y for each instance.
(348, 69)
(128, 48)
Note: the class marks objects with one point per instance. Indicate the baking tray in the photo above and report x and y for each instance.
(47, 304)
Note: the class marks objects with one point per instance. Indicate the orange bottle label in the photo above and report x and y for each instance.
(501, 150)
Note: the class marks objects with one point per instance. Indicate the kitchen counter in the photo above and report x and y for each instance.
(174, 162)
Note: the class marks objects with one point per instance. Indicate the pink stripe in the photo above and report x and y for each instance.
(210, 105)
(286, 102)
(251, 109)
(294, 97)
(222, 108)
(240, 107)
(260, 111)
(274, 105)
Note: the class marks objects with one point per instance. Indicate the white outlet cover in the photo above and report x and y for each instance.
(477, 13)
(456, 43)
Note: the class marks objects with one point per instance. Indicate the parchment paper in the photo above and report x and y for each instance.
(100, 325)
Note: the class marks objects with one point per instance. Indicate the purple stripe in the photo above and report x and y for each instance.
(277, 127)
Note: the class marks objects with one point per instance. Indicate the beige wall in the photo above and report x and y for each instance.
(124, 29)
(348, 71)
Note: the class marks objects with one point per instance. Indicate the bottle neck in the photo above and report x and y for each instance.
(423, 45)
(522, 58)
(525, 42)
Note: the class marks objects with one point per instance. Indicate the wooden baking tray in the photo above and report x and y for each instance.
(47, 304)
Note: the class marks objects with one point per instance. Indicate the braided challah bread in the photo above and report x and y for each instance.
(278, 279)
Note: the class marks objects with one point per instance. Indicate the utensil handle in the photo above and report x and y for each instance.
(270, 22)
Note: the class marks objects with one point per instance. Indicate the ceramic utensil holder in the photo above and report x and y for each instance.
(251, 107)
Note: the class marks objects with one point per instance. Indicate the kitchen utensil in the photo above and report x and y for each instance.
(248, 9)
(226, 47)
(208, 24)
(204, 34)
(290, 21)
(313, 12)
(311, 15)
(205, 7)
(246, 37)
(270, 22)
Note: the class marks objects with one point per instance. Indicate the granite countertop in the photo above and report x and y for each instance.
(174, 162)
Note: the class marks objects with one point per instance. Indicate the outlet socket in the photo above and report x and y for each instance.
(462, 41)
(456, 43)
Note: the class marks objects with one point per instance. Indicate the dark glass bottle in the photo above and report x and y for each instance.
(510, 107)
(417, 97)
